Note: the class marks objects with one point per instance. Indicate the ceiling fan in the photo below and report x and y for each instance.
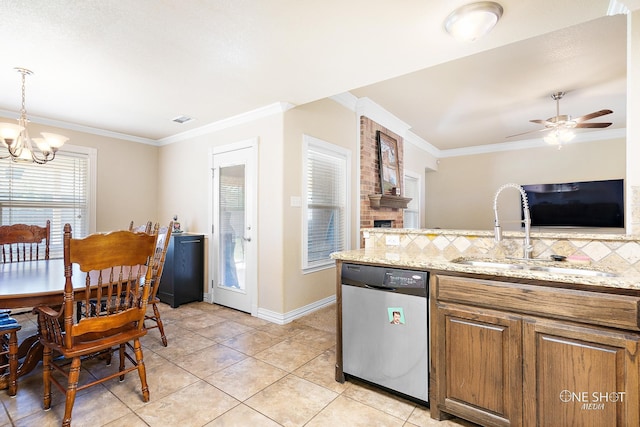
(561, 124)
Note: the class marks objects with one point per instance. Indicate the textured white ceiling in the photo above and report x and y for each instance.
(131, 66)
(483, 98)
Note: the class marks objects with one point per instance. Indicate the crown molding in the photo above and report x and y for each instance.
(275, 108)
(361, 106)
(366, 107)
(347, 100)
(421, 143)
(249, 116)
(80, 128)
(531, 143)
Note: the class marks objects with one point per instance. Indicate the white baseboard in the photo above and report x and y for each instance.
(282, 319)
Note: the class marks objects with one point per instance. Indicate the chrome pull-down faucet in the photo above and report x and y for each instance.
(527, 248)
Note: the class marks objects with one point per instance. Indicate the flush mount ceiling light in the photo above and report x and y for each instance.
(20, 147)
(474, 20)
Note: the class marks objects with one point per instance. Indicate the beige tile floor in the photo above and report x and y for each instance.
(223, 368)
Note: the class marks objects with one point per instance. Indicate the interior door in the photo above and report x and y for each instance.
(234, 227)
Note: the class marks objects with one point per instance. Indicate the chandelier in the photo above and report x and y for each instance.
(20, 147)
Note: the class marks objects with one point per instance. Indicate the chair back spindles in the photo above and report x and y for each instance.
(22, 242)
(164, 236)
(162, 244)
(143, 228)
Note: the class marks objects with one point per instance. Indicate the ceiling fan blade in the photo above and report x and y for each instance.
(592, 115)
(530, 131)
(593, 125)
(542, 122)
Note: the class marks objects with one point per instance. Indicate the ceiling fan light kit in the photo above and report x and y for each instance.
(559, 136)
(561, 126)
(473, 20)
(15, 137)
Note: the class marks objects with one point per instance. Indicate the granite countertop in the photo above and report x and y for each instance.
(418, 260)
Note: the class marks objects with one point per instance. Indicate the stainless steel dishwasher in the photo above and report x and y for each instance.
(385, 327)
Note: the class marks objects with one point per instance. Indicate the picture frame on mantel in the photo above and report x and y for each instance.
(389, 164)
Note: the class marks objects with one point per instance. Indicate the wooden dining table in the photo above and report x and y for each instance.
(30, 284)
(33, 283)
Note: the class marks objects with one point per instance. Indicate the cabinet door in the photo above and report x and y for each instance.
(579, 375)
(478, 364)
(189, 268)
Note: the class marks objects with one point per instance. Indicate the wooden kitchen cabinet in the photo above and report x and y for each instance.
(511, 354)
(183, 275)
(478, 364)
(577, 375)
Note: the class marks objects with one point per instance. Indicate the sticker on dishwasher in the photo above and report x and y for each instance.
(396, 315)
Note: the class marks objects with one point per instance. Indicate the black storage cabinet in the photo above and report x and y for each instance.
(182, 279)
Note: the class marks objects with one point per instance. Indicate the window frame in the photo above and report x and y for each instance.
(343, 155)
(418, 199)
(91, 184)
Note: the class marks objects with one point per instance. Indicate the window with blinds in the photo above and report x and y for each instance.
(57, 191)
(325, 206)
(411, 215)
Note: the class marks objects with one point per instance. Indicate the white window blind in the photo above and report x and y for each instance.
(57, 191)
(325, 202)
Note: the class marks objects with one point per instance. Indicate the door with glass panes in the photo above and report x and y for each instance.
(234, 233)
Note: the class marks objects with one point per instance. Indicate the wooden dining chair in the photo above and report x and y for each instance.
(117, 268)
(18, 243)
(9, 328)
(22, 242)
(143, 228)
(164, 235)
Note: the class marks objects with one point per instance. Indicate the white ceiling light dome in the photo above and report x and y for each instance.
(473, 20)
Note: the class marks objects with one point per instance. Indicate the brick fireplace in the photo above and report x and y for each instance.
(370, 175)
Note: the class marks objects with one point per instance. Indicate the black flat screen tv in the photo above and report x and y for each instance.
(577, 204)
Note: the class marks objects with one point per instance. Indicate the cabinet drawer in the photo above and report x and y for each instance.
(618, 311)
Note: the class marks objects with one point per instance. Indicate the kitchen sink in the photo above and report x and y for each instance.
(490, 264)
(532, 265)
(575, 271)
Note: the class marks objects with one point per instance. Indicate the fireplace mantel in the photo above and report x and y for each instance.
(378, 201)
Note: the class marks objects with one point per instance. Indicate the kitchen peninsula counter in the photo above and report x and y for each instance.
(521, 347)
(417, 259)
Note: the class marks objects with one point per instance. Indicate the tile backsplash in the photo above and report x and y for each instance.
(620, 253)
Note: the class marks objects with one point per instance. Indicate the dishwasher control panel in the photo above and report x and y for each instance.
(410, 282)
(404, 279)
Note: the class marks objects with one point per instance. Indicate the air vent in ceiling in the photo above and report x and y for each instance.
(182, 119)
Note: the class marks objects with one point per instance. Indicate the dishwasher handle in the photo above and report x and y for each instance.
(380, 288)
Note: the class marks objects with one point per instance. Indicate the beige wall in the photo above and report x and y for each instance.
(126, 177)
(186, 177)
(460, 194)
(185, 180)
(633, 126)
(332, 123)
